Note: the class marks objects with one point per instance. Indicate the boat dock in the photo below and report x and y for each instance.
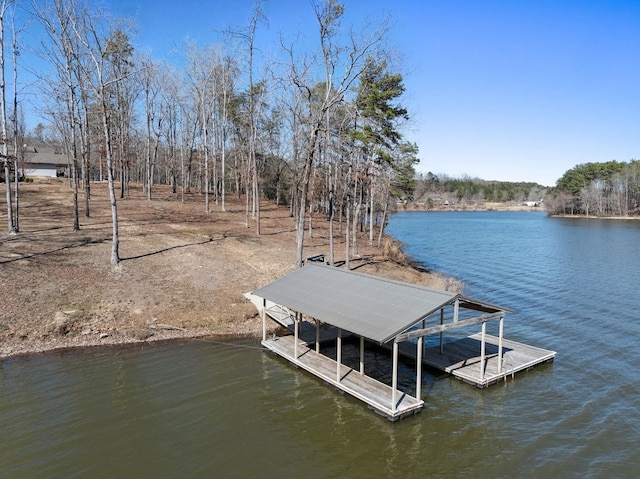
(321, 303)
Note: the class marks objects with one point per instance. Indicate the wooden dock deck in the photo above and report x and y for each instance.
(479, 359)
(377, 395)
(462, 359)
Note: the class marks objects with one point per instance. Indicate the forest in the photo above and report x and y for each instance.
(603, 189)
(597, 189)
(434, 191)
(320, 131)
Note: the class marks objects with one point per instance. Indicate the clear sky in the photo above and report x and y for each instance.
(513, 90)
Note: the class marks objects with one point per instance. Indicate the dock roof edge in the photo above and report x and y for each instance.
(374, 307)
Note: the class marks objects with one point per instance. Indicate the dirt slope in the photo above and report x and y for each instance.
(182, 275)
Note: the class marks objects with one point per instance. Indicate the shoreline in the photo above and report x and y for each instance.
(182, 276)
(71, 346)
(25, 347)
(609, 218)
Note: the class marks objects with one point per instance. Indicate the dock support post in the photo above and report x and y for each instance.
(317, 336)
(264, 319)
(338, 354)
(361, 354)
(419, 368)
(394, 378)
(441, 332)
(482, 349)
(501, 323)
(295, 336)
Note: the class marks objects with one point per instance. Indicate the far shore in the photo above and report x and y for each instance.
(507, 207)
(632, 218)
(481, 206)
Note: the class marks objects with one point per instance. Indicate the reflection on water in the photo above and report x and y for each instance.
(203, 409)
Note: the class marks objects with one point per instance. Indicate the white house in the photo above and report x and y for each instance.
(44, 162)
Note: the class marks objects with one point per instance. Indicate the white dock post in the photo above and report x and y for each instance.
(338, 354)
(441, 333)
(500, 344)
(295, 337)
(317, 336)
(419, 368)
(264, 319)
(482, 348)
(394, 380)
(361, 354)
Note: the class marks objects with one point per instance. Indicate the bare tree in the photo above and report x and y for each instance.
(170, 98)
(154, 114)
(17, 121)
(343, 62)
(249, 35)
(202, 82)
(228, 79)
(3, 119)
(103, 46)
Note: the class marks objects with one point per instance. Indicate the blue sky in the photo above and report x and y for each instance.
(509, 90)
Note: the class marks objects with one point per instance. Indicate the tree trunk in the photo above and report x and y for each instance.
(371, 214)
(306, 177)
(115, 240)
(148, 144)
(331, 215)
(347, 253)
(356, 221)
(3, 113)
(384, 219)
(86, 150)
(16, 223)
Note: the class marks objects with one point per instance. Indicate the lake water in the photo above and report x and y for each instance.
(208, 409)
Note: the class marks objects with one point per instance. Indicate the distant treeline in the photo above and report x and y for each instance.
(433, 190)
(597, 189)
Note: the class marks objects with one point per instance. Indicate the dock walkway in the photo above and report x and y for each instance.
(462, 359)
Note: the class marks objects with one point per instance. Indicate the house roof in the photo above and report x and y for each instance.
(45, 155)
(376, 308)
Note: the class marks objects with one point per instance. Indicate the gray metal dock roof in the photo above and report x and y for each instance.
(376, 308)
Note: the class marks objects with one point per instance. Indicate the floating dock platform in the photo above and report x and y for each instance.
(462, 359)
(378, 396)
(319, 304)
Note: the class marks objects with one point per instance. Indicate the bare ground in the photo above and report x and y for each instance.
(182, 274)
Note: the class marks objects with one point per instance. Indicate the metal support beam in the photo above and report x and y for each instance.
(441, 332)
(419, 367)
(482, 350)
(264, 319)
(338, 354)
(500, 334)
(394, 378)
(295, 335)
(436, 329)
